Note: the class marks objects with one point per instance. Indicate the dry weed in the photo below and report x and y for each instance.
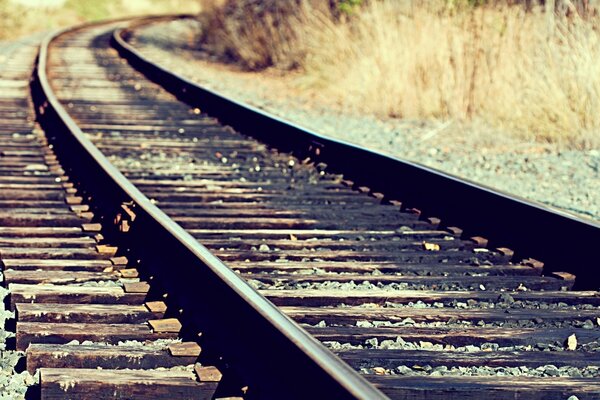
(506, 66)
(259, 33)
(534, 74)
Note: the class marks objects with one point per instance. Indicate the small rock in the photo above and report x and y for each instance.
(441, 369)
(431, 246)
(404, 370)
(506, 298)
(426, 345)
(588, 324)
(36, 167)
(522, 288)
(263, 248)
(572, 342)
(541, 346)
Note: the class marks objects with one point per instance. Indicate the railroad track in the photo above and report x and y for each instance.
(69, 286)
(416, 308)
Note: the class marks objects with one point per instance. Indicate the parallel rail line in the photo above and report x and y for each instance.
(222, 220)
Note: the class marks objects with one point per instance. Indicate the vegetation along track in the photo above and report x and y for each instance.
(415, 307)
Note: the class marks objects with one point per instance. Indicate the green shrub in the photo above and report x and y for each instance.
(349, 6)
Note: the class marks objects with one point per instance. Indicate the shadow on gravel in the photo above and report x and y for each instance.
(21, 365)
(33, 393)
(10, 324)
(11, 344)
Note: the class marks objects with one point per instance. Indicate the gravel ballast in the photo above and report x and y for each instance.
(556, 176)
(14, 380)
(541, 371)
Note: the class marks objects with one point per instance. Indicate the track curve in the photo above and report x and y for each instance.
(99, 179)
(400, 297)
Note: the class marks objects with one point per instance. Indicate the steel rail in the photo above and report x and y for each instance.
(564, 242)
(272, 352)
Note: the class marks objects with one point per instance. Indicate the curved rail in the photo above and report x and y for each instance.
(269, 333)
(531, 229)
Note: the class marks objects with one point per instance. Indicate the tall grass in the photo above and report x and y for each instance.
(531, 71)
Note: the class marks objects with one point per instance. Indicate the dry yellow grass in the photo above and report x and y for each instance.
(23, 17)
(532, 73)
